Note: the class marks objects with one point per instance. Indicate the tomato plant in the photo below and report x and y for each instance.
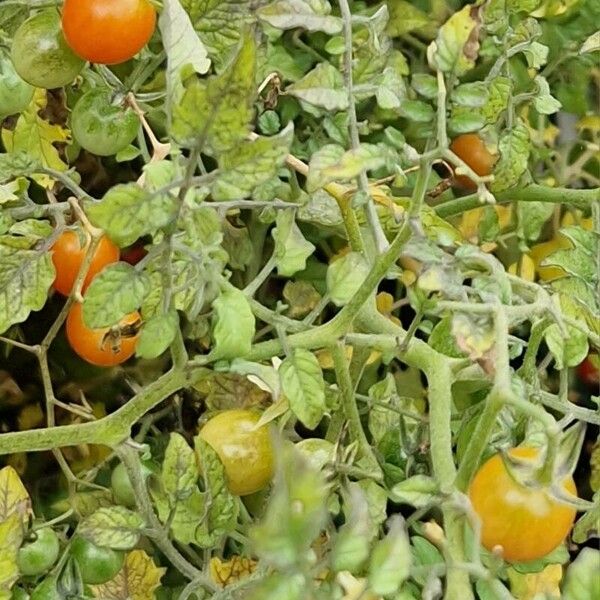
(527, 523)
(108, 31)
(104, 347)
(68, 254)
(40, 54)
(39, 554)
(96, 563)
(103, 125)
(244, 449)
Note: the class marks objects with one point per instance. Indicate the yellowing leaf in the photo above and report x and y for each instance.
(13, 495)
(524, 268)
(530, 586)
(11, 537)
(326, 360)
(354, 588)
(137, 580)
(225, 572)
(35, 136)
(589, 122)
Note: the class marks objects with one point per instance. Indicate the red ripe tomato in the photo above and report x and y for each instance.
(108, 31)
(525, 522)
(68, 255)
(470, 148)
(589, 372)
(133, 254)
(104, 347)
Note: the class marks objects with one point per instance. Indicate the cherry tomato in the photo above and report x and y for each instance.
(47, 590)
(96, 563)
(470, 148)
(133, 254)
(15, 94)
(527, 523)
(589, 371)
(68, 255)
(246, 452)
(38, 555)
(108, 31)
(121, 485)
(40, 53)
(104, 347)
(318, 452)
(101, 124)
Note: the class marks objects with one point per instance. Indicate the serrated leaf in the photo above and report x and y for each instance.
(581, 581)
(500, 89)
(179, 469)
(311, 16)
(514, 150)
(11, 538)
(457, 43)
(116, 291)
(16, 164)
(303, 385)
(251, 163)
(137, 580)
(127, 212)
(344, 276)
(157, 333)
(322, 87)
(114, 527)
(25, 278)
(233, 324)
(214, 114)
(291, 247)
(36, 136)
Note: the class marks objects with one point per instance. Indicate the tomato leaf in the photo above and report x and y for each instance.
(115, 527)
(11, 538)
(290, 14)
(322, 87)
(291, 248)
(344, 276)
(233, 324)
(514, 149)
(157, 333)
(179, 469)
(581, 581)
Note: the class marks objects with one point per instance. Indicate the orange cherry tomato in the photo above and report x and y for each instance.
(68, 255)
(108, 31)
(526, 522)
(104, 347)
(470, 148)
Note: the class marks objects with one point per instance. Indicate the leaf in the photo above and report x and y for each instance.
(127, 212)
(457, 43)
(304, 14)
(390, 560)
(472, 95)
(233, 324)
(35, 136)
(291, 248)
(418, 491)
(587, 526)
(137, 580)
(183, 47)
(500, 89)
(215, 113)
(528, 586)
(591, 44)
(404, 18)
(532, 218)
(236, 568)
(425, 85)
(25, 278)
(322, 87)
(544, 102)
(579, 260)
(16, 164)
(251, 163)
(220, 24)
(115, 527)
(116, 291)
(14, 498)
(157, 334)
(179, 469)
(301, 297)
(303, 385)
(11, 538)
(442, 340)
(514, 150)
(222, 512)
(581, 581)
(568, 351)
(344, 276)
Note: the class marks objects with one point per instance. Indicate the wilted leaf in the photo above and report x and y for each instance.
(236, 568)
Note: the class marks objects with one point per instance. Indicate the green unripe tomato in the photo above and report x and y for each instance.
(318, 452)
(96, 563)
(121, 485)
(19, 594)
(101, 124)
(47, 590)
(39, 555)
(15, 94)
(40, 53)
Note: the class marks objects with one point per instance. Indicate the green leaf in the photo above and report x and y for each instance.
(568, 351)
(582, 581)
(588, 525)
(16, 164)
(127, 212)
(322, 87)
(532, 218)
(233, 324)
(416, 110)
(499, 91)
(404, 18)
(25, 278)
(514, 150)
(344, 276)
(591, 44)
(442, 340)
(114, 527)
(222, 512)
(457, 45)
(544, 102)
(215, 113)
(179, 469)
(157, 333)
(391, 91)
(425, 85)
(251, 163)
(418, 491)
(309, 15)
(303, 385)
(116, 291)
(184, 48)
(276, 586)
(472, 95)
(382, 418)
(580, 260)
(390, 560)
(291, 248)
